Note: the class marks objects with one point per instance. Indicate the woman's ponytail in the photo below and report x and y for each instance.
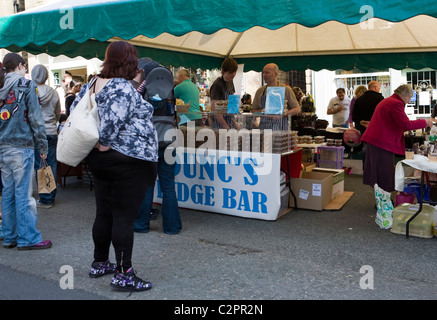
(2, 75)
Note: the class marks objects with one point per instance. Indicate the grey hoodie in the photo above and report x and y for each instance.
(10, 80)
(21, 121)
(49, 99)
(51, 108)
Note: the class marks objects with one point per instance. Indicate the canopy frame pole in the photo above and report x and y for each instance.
(237, 39)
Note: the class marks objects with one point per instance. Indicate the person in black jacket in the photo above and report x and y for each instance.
(73, 88)
(365, 106)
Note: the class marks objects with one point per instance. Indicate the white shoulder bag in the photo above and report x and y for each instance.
(80, 132)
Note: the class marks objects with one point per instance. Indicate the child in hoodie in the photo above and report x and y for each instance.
(51, 112)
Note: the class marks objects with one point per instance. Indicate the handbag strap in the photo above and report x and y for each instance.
(93, 84)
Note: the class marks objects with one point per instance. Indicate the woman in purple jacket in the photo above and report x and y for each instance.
(384, 137)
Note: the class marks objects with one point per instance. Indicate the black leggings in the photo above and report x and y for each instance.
(121, 183)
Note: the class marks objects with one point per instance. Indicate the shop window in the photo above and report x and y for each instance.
(350, 83)
(424, 83)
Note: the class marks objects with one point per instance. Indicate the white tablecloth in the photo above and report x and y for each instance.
(419, 162)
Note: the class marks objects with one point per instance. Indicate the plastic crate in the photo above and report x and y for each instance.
(422, 224)
(330, 157)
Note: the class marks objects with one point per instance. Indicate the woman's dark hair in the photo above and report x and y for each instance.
(121, 61)
(2, 75)
(10, 62)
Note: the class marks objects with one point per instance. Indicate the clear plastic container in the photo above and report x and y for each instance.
(285, 193)
(422, 224)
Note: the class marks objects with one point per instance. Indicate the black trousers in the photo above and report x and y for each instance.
(121, 183)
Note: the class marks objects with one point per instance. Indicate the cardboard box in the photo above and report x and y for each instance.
(338, 180)
(313, 190)
(308, 166)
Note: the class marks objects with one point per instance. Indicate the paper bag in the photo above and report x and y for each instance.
(45, 178)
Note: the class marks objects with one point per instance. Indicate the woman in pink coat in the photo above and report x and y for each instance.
(385, 137)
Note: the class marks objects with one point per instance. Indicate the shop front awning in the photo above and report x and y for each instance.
(322, 34)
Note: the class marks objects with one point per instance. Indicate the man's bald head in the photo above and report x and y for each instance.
(270, 74)
(374, 86)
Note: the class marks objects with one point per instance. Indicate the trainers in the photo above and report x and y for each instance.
(154, 214)
(128, 281)
(39, 246)
(99, 269)
(43, 205)
(10, 245)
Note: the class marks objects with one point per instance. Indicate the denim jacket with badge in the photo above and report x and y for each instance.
(21, 121)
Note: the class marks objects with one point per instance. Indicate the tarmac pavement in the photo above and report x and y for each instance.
(304, 255)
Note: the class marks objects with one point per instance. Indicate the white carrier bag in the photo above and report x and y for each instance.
(80, 132)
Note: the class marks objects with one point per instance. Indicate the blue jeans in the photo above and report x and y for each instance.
(52, 140)
(171, 220)
(19, 216)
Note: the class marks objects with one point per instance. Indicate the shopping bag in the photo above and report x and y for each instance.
(45, 178)
(384, 208)
(80, 132)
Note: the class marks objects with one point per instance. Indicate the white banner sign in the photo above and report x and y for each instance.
(243, 184)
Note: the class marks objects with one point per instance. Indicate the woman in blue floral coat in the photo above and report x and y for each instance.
(123, 163)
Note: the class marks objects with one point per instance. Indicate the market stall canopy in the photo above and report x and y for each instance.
(321, 34)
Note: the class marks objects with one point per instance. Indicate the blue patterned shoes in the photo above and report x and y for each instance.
(128, 281)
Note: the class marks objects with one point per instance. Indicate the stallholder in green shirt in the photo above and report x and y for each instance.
(188, 92)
